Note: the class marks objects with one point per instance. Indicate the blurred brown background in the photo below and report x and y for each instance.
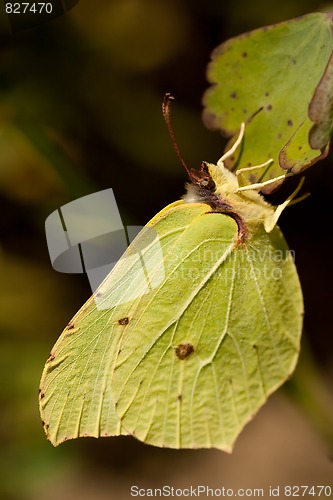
(80, 111)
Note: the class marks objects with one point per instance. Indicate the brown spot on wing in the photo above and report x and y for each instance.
(184, 350)
(123, 321)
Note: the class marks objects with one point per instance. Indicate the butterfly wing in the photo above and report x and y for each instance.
(213, 341)
(184, 340)
(75, 389)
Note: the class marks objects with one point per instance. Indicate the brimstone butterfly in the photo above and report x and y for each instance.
(187, 361)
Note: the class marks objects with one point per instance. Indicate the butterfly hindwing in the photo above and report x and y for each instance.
(75, 389)
(213, 341)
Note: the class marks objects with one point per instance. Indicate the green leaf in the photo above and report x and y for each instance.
(197, 324)
(268, 78)
(321, 109)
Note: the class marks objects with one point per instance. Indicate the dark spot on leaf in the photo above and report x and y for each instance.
(123, 321)
(47, 426)
(290, 123)
(232, 158)
(269, 107)
(70, 326)
(42, 395)
(244, 54)
(300, 147)
(43, 423)
(294, 61)
(254, 346)
(233, 95)
(279, 135)
(249, 164)
(179, 397)
(244, 111)
(51, 357)
(184, 350)
(266, 94)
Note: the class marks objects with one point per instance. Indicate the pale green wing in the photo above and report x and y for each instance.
(75, 389)
(219, 335)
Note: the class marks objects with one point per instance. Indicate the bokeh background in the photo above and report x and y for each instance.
(80, 111)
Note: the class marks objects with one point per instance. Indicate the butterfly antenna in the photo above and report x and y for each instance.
(166, 109)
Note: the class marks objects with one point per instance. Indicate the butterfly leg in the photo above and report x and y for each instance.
(260, 185)
(233, 147)
(291, 200)
(240, 173)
